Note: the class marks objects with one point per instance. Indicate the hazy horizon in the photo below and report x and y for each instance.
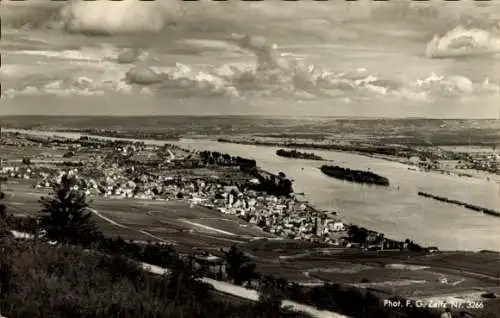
(284, 117)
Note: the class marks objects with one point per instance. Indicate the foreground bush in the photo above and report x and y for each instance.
(44, 281)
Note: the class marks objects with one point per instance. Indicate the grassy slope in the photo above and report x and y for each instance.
(45, 281)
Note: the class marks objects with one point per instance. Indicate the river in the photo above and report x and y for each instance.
(397, 211)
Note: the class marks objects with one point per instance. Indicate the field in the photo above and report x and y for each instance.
(417, 276)
(171, 221)
(40, 155)
(12, 152)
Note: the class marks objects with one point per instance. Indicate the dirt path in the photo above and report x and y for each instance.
(208, 228)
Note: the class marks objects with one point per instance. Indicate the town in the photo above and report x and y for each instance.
(134, 171)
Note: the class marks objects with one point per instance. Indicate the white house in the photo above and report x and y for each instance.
(338, 226)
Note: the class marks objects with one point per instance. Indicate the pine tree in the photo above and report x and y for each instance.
(238, 267)
(64, 214)
(182, 285)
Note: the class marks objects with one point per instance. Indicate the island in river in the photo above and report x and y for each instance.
(297, 154)
(357, 176)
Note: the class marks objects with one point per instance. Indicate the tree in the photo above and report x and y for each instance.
(5, 264)
(238, 267)
(219, 196)
(5, 274)
(68, 154)
(121, 267)
(272, 294)
(161, 255)
(357, 234)
(64, 214)
(4, 226)
(2, 181)
(285, 187)
(182, 285)
(3, 212)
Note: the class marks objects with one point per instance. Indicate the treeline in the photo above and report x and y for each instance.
(269, 183)
(274, 185)
(85, 141)
(27, 161)
(363, 236)
(357, 176)
(224, 159)
(93, 141)
(297, 154)
(365, 149)
(132, 134)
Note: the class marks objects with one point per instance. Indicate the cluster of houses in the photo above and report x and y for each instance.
(16, 172)
(285, 217)
(485, 161)
(489, 162)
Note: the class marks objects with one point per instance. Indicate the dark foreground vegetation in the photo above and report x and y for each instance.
(39, 280)
(68, 281)
(357, 176)
(297, 154)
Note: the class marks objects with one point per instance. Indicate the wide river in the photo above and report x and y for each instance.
(396, 211)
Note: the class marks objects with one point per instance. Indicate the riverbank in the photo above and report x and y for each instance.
(428, 158)
(365, 149)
